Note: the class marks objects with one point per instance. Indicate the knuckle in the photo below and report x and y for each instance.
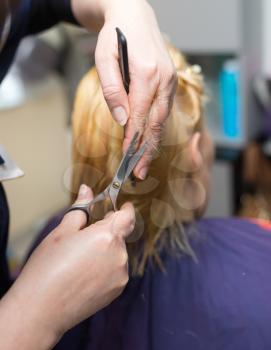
(149, 69)
(131, 226)
(169, 81)
(107, 238)
(63, 227)
(121, 282)
(149, 154)
(172, 77)
(124, 279)
(112, 92)
(132, 222)
(123, 258)
(129, 215)
(153, 148)
(139, 120)
(170, 72)
(128, 220)
(164, 104)
(156, 128)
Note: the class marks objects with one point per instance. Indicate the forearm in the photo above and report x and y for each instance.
(46, 13)
(21, 327)
(91, 14)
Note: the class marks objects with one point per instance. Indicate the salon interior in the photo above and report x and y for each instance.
(231, 42)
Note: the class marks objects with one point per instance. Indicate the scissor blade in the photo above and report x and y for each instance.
(116, 185)
(122, 169)
(134, 160)
(100, 197)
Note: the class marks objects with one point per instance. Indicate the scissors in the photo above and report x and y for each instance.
(126, 166)
(131, 156)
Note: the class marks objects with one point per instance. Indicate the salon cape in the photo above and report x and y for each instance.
(220, 302)
(30, 17)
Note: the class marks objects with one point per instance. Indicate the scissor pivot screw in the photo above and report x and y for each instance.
(116, 185)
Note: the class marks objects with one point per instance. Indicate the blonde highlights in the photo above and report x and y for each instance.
(97, 150)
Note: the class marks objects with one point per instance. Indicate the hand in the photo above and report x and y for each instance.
(73, 273)
(153, 76)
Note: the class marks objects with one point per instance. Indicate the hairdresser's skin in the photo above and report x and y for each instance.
(73, 273)
(50, 296)
(153, 76)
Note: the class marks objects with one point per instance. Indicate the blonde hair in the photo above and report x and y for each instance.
(97, 150)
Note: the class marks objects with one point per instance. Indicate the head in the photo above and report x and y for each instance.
(176, 189)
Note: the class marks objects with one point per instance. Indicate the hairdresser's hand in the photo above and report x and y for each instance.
(151, 70)
(72, 274)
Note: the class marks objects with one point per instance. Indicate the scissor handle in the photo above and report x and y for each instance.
(86, 207)
(123, 59)
(83, 207)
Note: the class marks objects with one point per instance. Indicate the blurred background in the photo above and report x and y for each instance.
(230, 40)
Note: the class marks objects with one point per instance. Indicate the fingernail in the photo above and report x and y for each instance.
(83, 191)
(143, 173)
(120, 115)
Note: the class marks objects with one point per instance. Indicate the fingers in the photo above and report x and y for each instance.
(152, 88)
(151, 97)
(123, 221)
(77, 219)
(106, 57)
(142, 92)
(159, 112)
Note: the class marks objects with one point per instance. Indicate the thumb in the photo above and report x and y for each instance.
(77, 219)
(106, 59)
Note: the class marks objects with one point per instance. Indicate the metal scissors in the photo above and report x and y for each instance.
(131, 157)
(126, 166)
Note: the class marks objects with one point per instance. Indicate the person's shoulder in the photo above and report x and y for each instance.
(229, 238)
(233, 226)
(229, 222)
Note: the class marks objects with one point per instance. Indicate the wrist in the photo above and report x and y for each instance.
(111, 8)
(88, 13)
(23, 325)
